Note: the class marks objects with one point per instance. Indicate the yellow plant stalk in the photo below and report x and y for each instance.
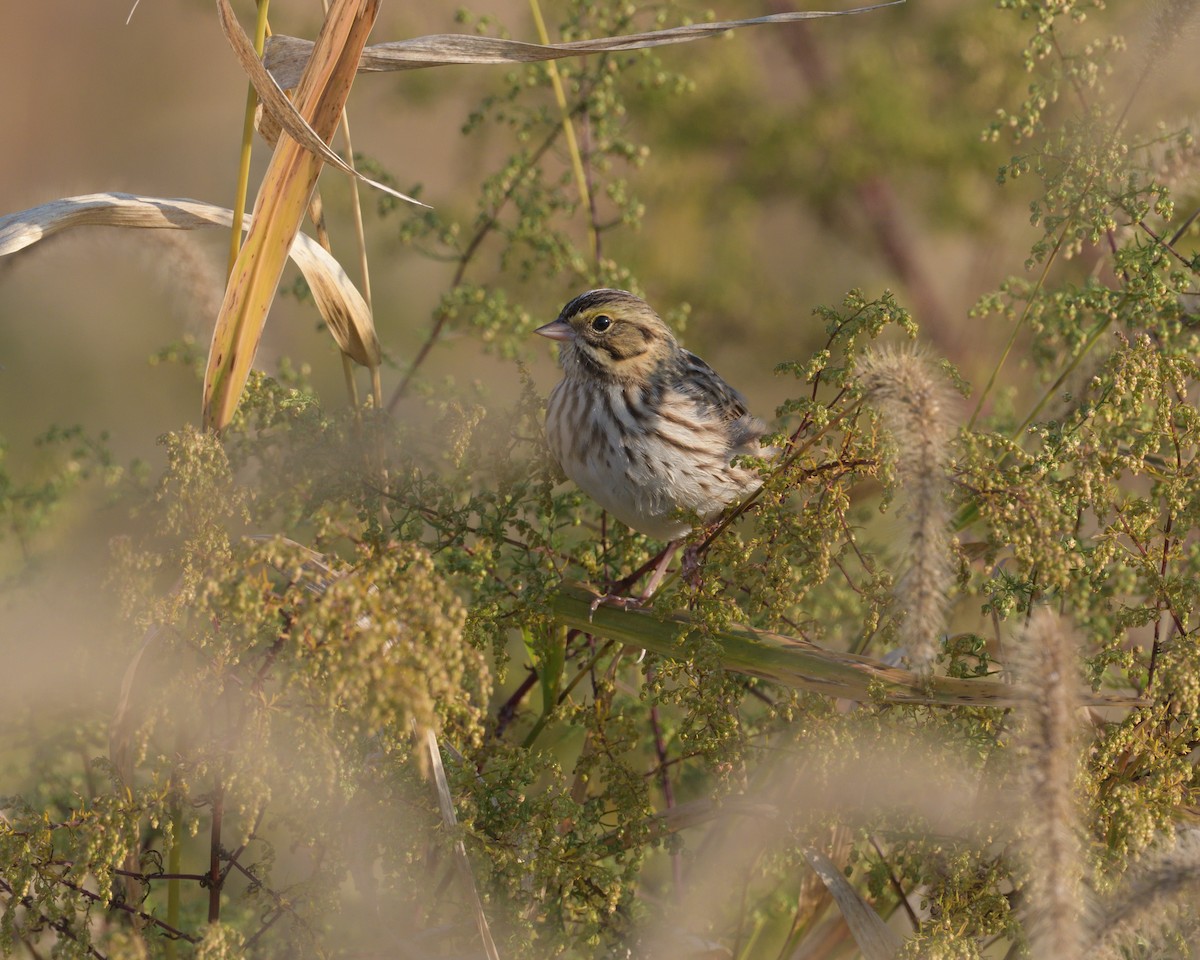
(239, 202)
(280, 207)
(560, 97)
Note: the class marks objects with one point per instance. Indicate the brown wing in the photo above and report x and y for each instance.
(704, 385)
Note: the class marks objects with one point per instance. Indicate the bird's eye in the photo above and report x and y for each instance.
(601, 323)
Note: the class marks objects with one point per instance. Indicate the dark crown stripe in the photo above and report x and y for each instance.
(594, 299)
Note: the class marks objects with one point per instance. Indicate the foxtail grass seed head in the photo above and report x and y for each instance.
(1047, 664)
(1151, 897)
(913, 403)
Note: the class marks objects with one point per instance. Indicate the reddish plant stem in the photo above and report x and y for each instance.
(214, 854)
(1160, 602)
(1145, 555)
(664, 777)
(896, 887)
(508, 710)
(236, 855)
(61, 927)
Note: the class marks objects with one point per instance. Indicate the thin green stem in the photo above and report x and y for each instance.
(360, 237)
(1016, 330)
(174, 868)
(789, 661)
(464, 259)
(560, 97)
(360, 233)
(586, 669)
(243, 180)
(1137, 87)
(1058, 381)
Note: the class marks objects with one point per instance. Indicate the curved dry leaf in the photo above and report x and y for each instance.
(339, 301)
(285, 56)
(120, 730)
(446, 804)
(875, 939)
(276, 103)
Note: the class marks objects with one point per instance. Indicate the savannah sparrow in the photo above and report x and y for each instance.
(643, 427)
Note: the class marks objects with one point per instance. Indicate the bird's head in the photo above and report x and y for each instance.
(611, 334)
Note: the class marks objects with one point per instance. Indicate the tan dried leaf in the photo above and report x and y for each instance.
(280, 109)
(875, 938)
(340, 303)
(285, 56)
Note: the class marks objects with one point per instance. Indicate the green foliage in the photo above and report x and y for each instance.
(309, 593)
(27, 506)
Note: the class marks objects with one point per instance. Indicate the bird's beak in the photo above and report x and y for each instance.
(557, 330)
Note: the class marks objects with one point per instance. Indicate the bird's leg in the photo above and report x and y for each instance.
(659, 564)
(617, 588)
(660, 570)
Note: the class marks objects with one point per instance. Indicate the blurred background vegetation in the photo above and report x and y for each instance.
(759, 176)
(807, 159)
(802, 160)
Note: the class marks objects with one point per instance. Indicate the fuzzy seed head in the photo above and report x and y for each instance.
(1047, 664)
(914, 404)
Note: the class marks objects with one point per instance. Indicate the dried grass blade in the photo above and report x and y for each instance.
(120, 747)
(874, 938)
(279, 210)
(339, 301)
(793, 662)
(281, 109)
(446, 804)
(285, 56)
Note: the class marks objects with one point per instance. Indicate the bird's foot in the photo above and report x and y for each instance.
(618, 602)
(621, 603)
